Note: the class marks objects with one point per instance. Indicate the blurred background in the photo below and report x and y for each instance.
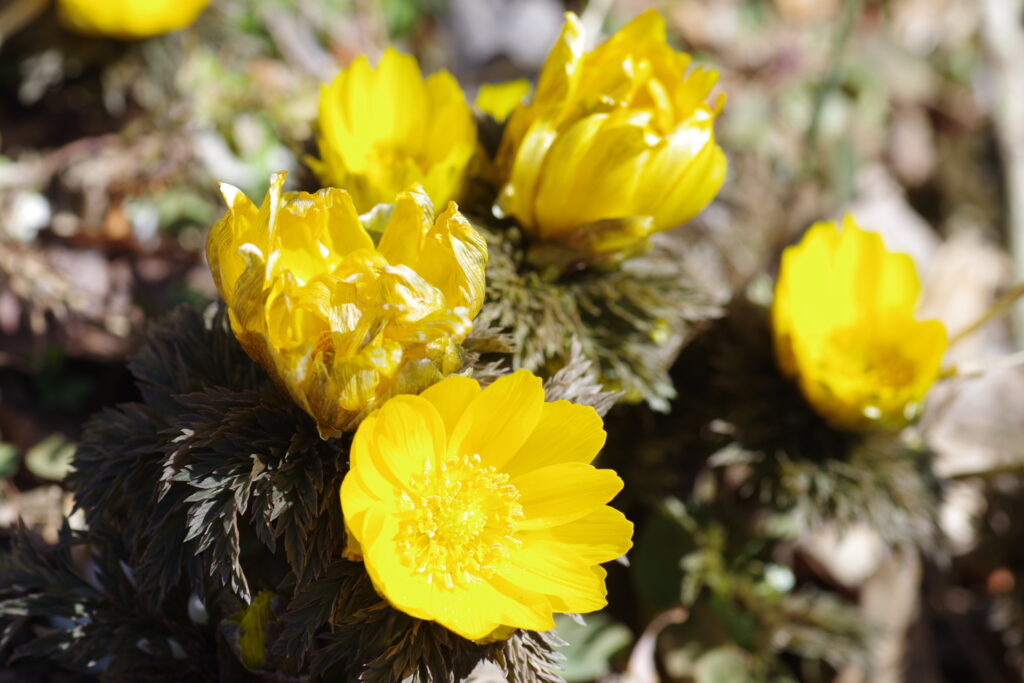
(909, 113)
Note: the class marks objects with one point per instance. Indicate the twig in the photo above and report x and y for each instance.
(642, 667)
(968, 370)
(1003, 38)
(993, 312)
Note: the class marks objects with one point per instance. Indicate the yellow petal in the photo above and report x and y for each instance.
(226, 264)
(500, 99)
(597, 159)
(545, 567)
(607, 241)
(410, 223)
(562, 493)
(454, 259)
(517, 196)
(129, 19)
(684, 175)
(499, 420)
(456, 609)
(565, 432)
(404, 440)
(397, 101)
(450, 397)
(384, 129)
(598, 536)
(448, 253)
(560, 73)
(405, 589)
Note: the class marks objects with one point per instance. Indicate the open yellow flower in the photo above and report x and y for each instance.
(479, 509)
(338, 322)
(617, 143)
(383, 129)
(845, 327)
(129, 19)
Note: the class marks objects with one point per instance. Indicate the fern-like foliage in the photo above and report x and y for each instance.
(96, 621)
(630, 321)
(795, 462)
(213, 487)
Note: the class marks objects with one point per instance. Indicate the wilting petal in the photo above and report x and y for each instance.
(339, 324)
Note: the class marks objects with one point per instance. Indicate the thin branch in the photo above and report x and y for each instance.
(1003, 37)
(968, 370)
(993, 312)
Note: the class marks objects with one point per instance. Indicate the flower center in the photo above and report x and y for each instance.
(458, 522)
(881, 365)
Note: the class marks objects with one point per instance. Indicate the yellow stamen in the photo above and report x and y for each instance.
(458, 521)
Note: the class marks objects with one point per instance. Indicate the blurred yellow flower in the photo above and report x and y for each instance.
(845, 327)
(500, 99)
(383, 129)
(618, 143)
(479, 509)
(340, 323)
(129, 19)
(252, 627)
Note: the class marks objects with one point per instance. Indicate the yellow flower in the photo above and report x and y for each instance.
(252, 627)
(618, 143)
(383, 130)
(500, 99)
(129, 19)
(479, 509)
(845, 327)
(338, 322)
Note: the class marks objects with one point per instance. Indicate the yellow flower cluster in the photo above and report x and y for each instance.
(845, 328)
(337, 321)
(475, 508)
(129, 19)
(479, 508)
(617, 144)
